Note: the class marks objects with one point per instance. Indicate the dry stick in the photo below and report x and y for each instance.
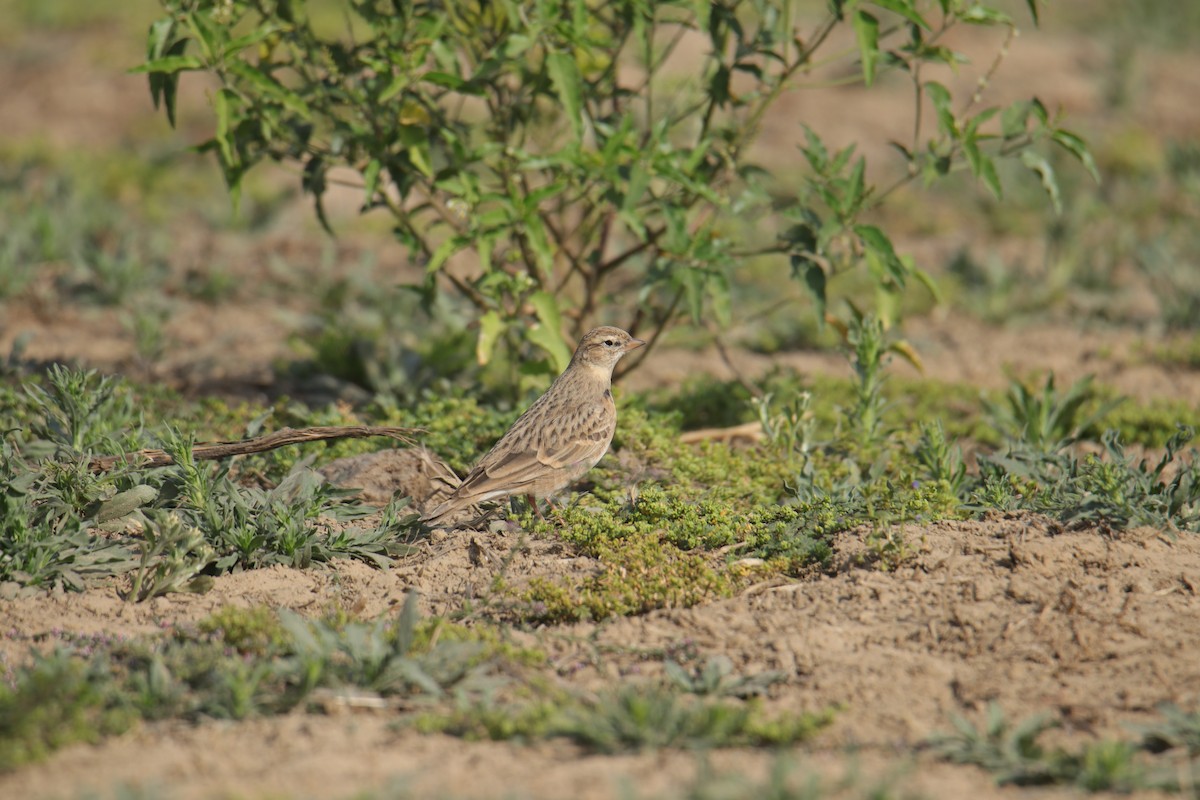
(259, 444)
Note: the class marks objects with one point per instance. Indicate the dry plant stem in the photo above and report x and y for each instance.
(751, 431)
(259, 444)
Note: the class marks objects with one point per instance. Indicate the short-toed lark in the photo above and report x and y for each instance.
(560, 437)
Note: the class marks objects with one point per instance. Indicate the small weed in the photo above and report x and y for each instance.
(792, 427)
(716, 678)
(1109, 489)
(644, 718)
(938, 460)
(1178, 729)
(236, 664)
(1015, 756)
(82, 412)
(1045, 419)
(58, 700)
(173, 555)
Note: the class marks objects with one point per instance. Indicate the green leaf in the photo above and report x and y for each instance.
(940, 97)
(548, 333)
(877, 243)
(929, 283)
(691, 281)
(815, 281)
(491, 328)
(161, 32)
(397, 85)
(444, 79)
(987, 173)
(442, 253)
(980, 14)
(568, 85)
(160, 48)
(418, 155)
(235, 46)
(168, 65)
(1077, 147)
(720, 299)
(371, 181)
(866, 29)
(982, 165)
(1044, 171)
(1014, 119)
(539, 241)
(267, 84)
(221, 105)
(905, 9)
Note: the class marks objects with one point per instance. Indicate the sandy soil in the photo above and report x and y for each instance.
(1098, 628)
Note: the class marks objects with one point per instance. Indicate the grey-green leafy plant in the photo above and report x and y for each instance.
(83, 693)
(1178, 728)
(291, 523)
(1172, 273)
(83, 412)
(44, 538)
(938, 460)
(870, 346)
(1045, 418)
(56, 700)
(380, 656)
(547, 160)
(651, 717)
(173, 556)
(791, 427)
(1014, 754)
(716, 678)
(1111, 489)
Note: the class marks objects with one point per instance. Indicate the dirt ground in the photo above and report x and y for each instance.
(1098, 628)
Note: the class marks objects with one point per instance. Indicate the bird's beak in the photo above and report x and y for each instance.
(634, 344)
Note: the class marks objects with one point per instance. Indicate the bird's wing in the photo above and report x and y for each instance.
(551, 444)
(586, 440)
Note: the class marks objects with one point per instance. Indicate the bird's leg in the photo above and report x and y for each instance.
(537, 509)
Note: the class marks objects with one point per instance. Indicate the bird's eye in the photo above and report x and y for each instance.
(609, 343)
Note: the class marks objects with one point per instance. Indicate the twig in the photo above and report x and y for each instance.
(723, 352)
(747, 430)
(259, 444)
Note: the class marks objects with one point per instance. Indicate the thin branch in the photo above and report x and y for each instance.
(722, 351)
(660, 328)
(259, 444)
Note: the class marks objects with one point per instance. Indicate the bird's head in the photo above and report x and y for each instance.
(603, 347)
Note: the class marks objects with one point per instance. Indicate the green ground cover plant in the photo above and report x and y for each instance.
(777, 506)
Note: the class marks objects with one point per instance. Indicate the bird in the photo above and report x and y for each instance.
(560, 437)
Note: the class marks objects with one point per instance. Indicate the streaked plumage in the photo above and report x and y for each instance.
(559, 438)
